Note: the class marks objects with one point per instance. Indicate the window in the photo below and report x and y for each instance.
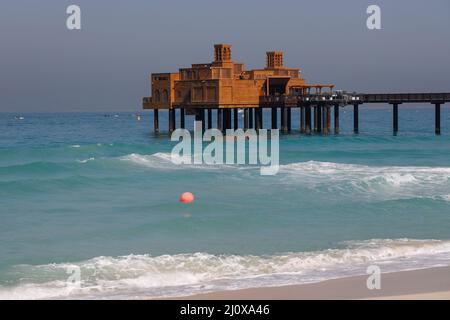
(211, 94)
(157, 96)
(198, 94)
(165, 96)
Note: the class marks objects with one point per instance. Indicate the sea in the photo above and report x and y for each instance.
(89, 206)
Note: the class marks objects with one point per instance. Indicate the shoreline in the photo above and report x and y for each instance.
(430, 283)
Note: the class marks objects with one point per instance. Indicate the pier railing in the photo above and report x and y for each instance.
(344, 98)
(405, 98)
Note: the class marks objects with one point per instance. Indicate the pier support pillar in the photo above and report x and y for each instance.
(227, 119)
(336, 119)
(261, 120)
(329, 118)
(274, 118)
(319, 118)
(302, 119)
(200, 116)
(156, 120)
(209, 118)
(258, 118)
(308, 119)
(202, 119)
(182, 118)
(437, 118)
(289, 119)
(171, 120)
(236, 118)
(220, 119)
(246, 118)
(284, 120)
(356, 118)
(250, 118)
(315, 119)
(395, 118)
(325, 120)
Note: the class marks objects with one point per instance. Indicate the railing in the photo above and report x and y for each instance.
(405, 97)
(279, 99)
(343, 98)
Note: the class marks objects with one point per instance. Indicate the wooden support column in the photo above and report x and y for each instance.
(336, 119)
(356, 118)
(226, 119)
(302, 119)
(182, 118)
(200, 116)
(236, 118)
(246, 118)
(156, 120)
(319, 119)
(284, 119)
(308, 119)
(395, 118)
(437, 118)
(202, 119)
(274, 118)
(315, 119)
(250, 118)
(325, 120)
(209, 118)
(328, 118)
(220, 119)
(261, 119)
(289, 119)
(171, 120)
(258, 118)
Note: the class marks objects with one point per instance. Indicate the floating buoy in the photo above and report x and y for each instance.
(187, 197)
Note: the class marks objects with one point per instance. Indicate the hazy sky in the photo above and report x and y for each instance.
(106, 65)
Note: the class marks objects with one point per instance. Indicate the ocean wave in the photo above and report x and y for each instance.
(141, 276)
(86, 160)
(161, 160)
(388, 181)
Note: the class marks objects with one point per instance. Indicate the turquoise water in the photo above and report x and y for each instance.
(98, 191)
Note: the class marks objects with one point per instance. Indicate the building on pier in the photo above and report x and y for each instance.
(225, 84)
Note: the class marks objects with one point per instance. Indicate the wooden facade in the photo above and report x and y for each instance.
(223, 83)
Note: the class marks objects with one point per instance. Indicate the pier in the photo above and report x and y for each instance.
(224, 87)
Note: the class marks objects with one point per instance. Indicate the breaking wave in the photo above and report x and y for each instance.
(161, 160)
(143, 276)
(390, 181)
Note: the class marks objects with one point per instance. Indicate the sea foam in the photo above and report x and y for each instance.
(141, 276)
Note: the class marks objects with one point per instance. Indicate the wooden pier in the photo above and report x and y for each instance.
(314, 112)
(225, 87)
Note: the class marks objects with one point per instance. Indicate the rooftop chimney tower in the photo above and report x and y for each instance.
(222, 53)
(274, 59)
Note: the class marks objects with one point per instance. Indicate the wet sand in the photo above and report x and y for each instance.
(433, 283)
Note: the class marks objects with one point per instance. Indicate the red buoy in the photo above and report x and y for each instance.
(187, 197)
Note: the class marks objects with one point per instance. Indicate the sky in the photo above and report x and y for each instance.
(105, 66)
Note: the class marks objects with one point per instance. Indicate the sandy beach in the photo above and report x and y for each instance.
(433, 283)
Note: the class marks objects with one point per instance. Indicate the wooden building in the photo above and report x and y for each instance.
(223, 85)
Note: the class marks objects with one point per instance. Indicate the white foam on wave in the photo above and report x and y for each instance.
(168, 161)
(387, 182)
(86, 160)
(168, 275)
(394, 181)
